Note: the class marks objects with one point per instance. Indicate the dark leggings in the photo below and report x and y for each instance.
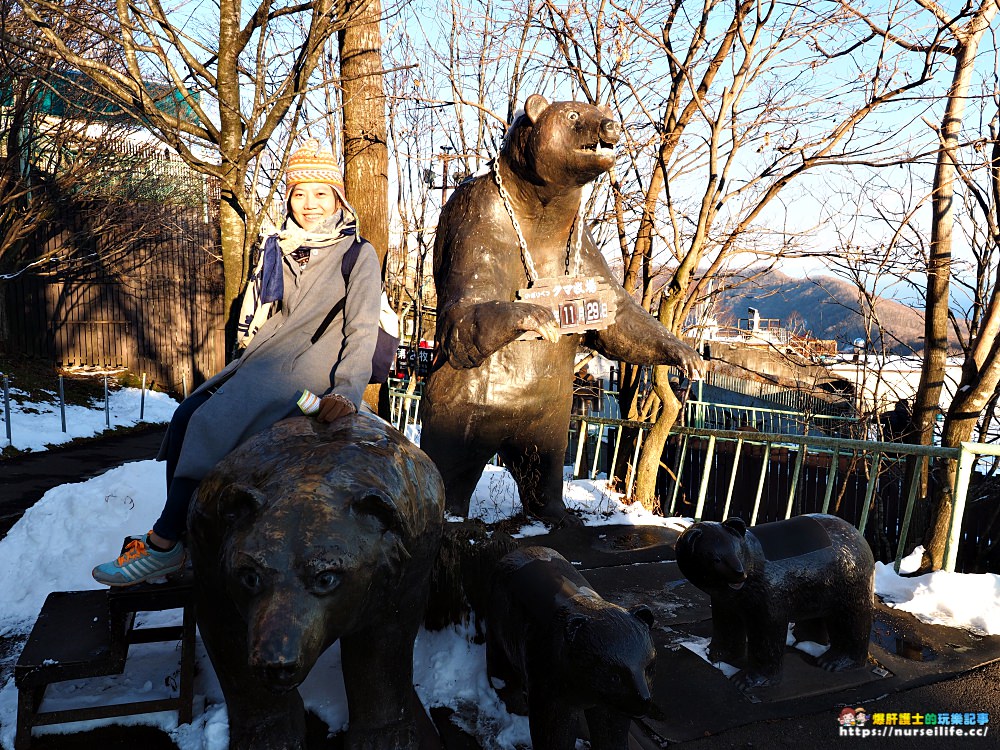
(172, 522)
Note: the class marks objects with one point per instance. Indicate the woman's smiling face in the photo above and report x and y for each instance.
(312, 203)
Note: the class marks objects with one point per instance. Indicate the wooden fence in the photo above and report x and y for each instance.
(142, 291)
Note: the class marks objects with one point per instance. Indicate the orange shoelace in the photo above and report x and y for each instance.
(134, 549)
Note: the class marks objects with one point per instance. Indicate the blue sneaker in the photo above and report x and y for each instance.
(138, 563)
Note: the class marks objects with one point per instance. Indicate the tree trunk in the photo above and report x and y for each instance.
(233, 241)
(648, 467)
(976, 388)
(928, 397)
(366, 155)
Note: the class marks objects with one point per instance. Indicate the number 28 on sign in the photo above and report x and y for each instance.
(578, 303)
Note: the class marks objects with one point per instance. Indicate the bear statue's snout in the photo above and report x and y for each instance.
(610, 131)
(732, 572)
(643, 697)
(279, 654)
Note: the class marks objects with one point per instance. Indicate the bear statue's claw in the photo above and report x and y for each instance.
(557, 517)
(838, 662)
(729, 656)
(747, 679)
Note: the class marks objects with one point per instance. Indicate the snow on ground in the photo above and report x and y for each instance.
(36, 425)
(85, 522)
(967, 600)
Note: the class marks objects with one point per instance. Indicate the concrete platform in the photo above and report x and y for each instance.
(697, 708)
(692, 698)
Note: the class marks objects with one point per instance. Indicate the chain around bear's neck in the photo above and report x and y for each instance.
(529, 264)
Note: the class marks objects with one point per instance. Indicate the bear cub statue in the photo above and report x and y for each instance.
(815, 570)
(306, 534)
(559, 652)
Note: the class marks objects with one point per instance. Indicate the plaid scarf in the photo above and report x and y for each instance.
(266, 287)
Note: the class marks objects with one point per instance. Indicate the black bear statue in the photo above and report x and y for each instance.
(815, 570)
(512, 253)
(558, 651)
(306, 534)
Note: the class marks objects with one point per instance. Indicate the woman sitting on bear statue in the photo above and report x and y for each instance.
(295, 339)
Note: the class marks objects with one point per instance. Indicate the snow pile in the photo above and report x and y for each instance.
(962, 600)
(36, 425)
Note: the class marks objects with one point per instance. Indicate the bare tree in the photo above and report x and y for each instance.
(743, 107)
(79, 195)
(366, 156)
(214, 88)
(959, 36)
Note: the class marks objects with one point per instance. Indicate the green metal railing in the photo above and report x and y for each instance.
(874, 457)
(712, 416)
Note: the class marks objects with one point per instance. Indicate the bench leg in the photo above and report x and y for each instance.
(28, 701)
(185, 711)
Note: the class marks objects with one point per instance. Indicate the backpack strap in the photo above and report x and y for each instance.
(349, 260)
(347, 264)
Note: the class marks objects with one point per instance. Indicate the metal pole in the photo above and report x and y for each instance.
(580, 439)
(62, 404)
(184, 383)
(705, 474)
(6, 407)
(142, 398)
(963, 474)
(107, 407)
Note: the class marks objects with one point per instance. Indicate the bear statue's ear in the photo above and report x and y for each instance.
(645, 615)
(607, 111)
(689, 537)
(239, 501)
(534, 106)
(736, 524)
(381, 506)
(573, 625)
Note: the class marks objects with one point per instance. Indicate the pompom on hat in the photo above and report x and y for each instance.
(314, 163)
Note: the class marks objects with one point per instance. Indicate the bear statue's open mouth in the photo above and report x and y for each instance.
(736, 586)
(600, 147)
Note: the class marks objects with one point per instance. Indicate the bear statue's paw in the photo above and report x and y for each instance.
(514, 698)
(728, 654)
(748, 679)
(556, 515)
(838, 662)
(398, 736)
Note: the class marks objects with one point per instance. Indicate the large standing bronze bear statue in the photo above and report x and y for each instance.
(816, 570)
(307, 533)
(492, 392)
(559, 651)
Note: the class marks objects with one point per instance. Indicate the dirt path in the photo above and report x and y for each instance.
(24, 479)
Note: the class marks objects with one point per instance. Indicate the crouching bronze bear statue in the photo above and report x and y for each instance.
(552, 640)
(816, 570)
(306, 534)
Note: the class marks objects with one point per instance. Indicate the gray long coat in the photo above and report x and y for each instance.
(263, 385)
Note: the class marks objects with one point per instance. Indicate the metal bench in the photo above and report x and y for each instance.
(83, 634)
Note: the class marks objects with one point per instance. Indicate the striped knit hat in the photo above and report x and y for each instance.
(312, 163)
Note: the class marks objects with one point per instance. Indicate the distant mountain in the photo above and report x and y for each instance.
(824, 307)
